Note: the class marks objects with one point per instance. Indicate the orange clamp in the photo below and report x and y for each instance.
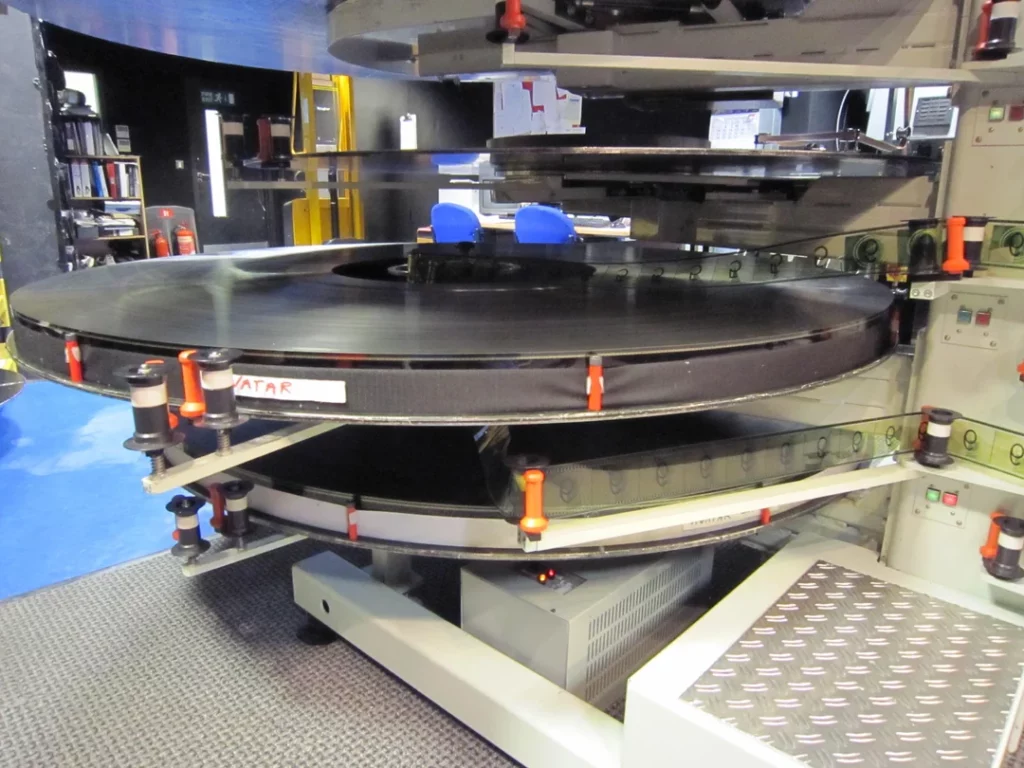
(984, 26)
(955, 262)
(194, 405)
(73, 355)
(595, 384)
(217, 502)
(766, 516)
(991, 546)
(533, 523)
(352, 522)
(1020, 371)
(513, 21)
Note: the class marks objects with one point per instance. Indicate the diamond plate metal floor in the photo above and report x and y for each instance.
(847, 669)
(138, 666)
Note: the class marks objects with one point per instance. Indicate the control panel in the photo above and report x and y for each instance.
(977, 320)
(942, 504)
(1000, 122)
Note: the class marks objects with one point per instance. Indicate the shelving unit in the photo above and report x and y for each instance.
(88, 132)
(82, 242)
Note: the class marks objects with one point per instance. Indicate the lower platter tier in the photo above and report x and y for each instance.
(406, 334)
(430, 491)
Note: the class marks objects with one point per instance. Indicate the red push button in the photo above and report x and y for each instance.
(983, 317)
(1016, 113)
(950, 499)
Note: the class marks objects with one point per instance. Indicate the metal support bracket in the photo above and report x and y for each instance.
(740, 506)
(525, 715)
(205, 466)
(212, 560)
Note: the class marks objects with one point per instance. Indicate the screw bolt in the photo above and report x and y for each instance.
(158, 463)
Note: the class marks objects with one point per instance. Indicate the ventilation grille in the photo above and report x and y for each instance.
(627, 634)
(934, 116)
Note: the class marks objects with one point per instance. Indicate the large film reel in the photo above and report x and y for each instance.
(406, 334)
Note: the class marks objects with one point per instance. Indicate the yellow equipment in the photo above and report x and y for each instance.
(323, 120)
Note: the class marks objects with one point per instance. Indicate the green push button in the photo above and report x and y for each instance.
(933, 494)
(996, 114)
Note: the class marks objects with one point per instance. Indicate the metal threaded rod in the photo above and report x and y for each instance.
(223, 441)
(158, 463)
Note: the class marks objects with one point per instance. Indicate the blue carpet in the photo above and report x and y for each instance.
(71, 500)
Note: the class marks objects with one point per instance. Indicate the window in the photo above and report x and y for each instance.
(87, 84)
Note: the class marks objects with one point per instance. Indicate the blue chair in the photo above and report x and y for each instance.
(541, 224)
(454, 224)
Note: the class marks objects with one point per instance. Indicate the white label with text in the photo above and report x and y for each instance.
(306, 390)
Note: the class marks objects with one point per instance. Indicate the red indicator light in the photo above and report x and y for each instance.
(551, 573)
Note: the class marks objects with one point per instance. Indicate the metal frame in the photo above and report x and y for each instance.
(212, 561)
(736, 508)
(191, 470)
(688, 72)
(872, 42)
(517, 710)
(703, 519)
(538, 723)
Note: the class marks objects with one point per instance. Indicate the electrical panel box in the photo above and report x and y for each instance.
(586, 627)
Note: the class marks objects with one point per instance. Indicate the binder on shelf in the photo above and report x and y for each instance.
(76, 178)
(102, 176)
(111, 173)
(70, 138)
(133, 181)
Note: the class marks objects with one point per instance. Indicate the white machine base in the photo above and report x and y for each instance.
(539, 724)
(531, 719)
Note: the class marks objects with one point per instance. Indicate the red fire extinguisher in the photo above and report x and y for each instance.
(184, 240)
(160, 245)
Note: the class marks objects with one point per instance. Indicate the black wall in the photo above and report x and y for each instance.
(157, 96)
(448, 116)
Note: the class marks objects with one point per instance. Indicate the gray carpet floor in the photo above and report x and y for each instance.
(140, 666)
